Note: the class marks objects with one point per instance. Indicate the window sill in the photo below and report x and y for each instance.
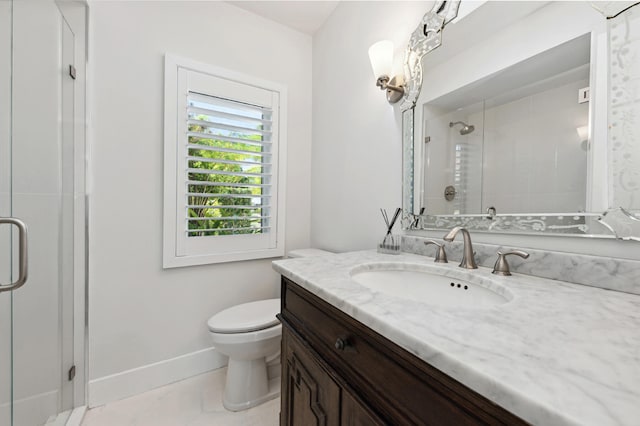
(172, 261)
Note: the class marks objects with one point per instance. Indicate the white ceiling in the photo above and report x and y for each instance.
(303, 16)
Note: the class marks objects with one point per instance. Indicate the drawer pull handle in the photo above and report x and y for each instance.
(341, 344)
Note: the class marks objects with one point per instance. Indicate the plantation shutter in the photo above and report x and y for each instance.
(227, 155)
(228, 167)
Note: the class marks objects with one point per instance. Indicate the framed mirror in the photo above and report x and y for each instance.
(624, 119)
(517, 141)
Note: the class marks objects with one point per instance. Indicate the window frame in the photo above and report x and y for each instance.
(215, 249)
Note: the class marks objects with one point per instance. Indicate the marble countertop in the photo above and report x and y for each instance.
(555, 354)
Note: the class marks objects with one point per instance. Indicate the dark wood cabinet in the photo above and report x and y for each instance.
(336, 371)
(312, 396)
(356, 413)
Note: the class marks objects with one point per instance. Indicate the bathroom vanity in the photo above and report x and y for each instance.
(553, 353)
(336, 370)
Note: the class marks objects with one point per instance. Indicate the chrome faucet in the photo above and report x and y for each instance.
(468, 261)
(502, 267)
(441, 255)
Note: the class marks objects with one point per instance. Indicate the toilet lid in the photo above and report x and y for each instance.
(252, 316)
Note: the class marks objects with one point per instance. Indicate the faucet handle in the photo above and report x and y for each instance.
(441, 255)
(502, 267)
(491, 212)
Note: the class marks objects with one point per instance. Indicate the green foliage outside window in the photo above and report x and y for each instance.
(207, 208)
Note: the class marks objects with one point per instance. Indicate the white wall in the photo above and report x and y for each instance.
(357, 144)
(140, 314)
(356, 158)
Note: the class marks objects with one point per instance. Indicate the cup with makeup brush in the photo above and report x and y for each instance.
(391, 243)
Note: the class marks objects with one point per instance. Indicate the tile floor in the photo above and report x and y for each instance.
(191, 402)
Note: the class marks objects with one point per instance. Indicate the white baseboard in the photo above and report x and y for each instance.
(76, 416)
(34, 410)
(67, 418)
(132, 382)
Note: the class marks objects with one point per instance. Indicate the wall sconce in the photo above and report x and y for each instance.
(381, 57)
(583, 133)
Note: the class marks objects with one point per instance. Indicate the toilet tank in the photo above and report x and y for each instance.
(308, 252)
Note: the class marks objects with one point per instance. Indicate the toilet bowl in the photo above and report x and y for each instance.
(249, 334)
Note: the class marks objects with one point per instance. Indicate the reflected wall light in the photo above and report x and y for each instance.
(381, 57)
(583, 133)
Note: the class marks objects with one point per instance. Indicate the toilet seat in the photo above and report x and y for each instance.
(251, 336)
(246, 318)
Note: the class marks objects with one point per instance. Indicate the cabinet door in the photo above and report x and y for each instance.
(356, 414)
(309, 394)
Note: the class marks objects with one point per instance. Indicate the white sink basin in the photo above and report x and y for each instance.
(417, 282)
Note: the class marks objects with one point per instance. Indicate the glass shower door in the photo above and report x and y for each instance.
(5, 211)
(36, 185)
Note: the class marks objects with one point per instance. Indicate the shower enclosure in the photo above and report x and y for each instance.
(40, 187)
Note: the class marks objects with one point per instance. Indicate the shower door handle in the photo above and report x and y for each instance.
(22, 253)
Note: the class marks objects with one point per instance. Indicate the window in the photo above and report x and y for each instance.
(223, 170)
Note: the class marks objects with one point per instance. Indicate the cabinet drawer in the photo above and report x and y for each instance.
(402, 388)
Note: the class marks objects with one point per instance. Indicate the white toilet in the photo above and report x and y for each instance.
(249, 334)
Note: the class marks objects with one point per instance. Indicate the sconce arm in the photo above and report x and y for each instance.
(384, 83)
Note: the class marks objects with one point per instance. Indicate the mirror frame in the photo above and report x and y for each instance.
(615, 222)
